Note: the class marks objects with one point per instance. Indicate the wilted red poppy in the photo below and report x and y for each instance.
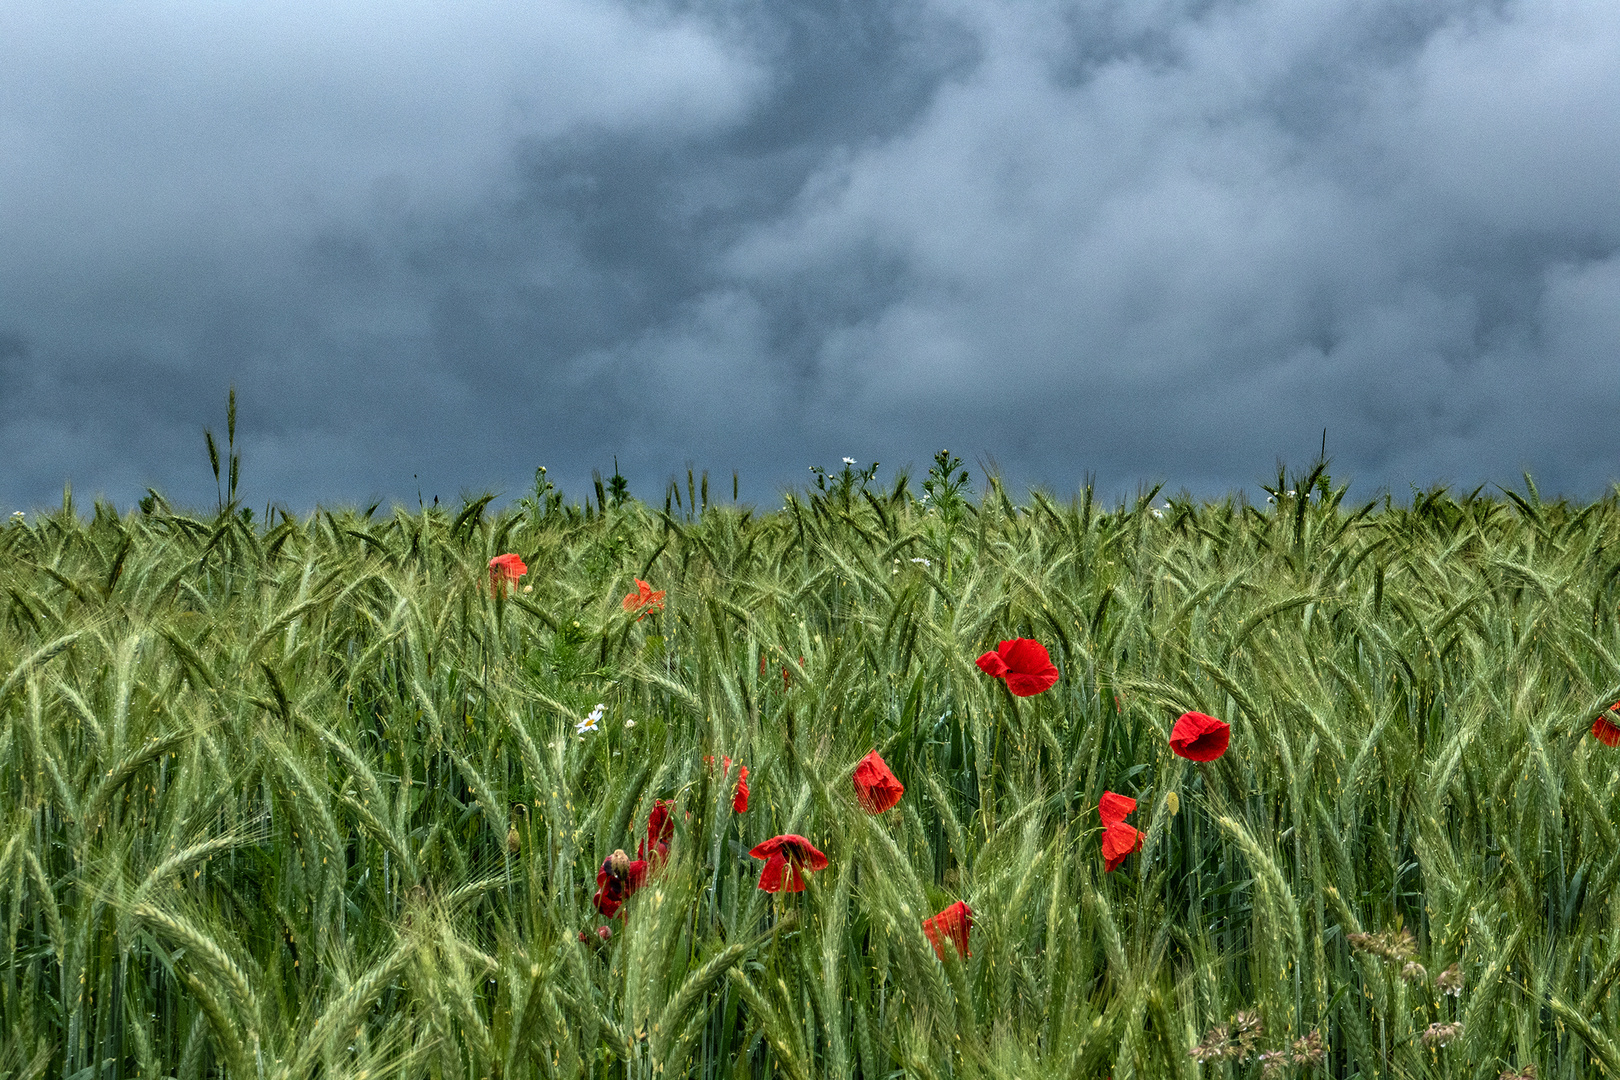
(660, 831)
(953, 924)
(792, 853)
(616, 880)
(1197, 737)
(1605, 730)
(644, 599)
(876, 788)
(1118, 841)
(1024, 663)
(1112, 808)
(505, 570)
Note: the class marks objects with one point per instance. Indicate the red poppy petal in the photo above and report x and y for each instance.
(1028, 684)
(770, 878)
(1606, 732)
(992, 664)
(1112, 808)
(1119, 840)
(1026, 655)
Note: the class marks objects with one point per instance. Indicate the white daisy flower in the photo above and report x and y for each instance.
(849, 461)
(590, 722)
(920, 561)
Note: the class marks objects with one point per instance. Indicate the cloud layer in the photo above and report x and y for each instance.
(1153, 241)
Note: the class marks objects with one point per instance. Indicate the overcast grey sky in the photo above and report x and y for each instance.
(1153, 240)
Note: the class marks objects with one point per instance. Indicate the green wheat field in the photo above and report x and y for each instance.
(296, 797)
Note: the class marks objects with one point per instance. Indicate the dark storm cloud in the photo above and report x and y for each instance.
(1152, 240)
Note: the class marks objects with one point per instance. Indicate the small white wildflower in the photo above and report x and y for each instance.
(1271, 498)
(920, 561)
(1155, 511)
(590, 722)
(1291, 494)
(17, 515)
(629, 723)
(849, 461)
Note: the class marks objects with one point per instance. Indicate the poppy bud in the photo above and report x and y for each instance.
(512, 842)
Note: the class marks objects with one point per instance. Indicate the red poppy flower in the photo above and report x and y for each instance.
(505, 570)
(952, 924)
(616, 881)
(644, 599)
(1112, 808)
(1605, 730)
(1024, 663)
(876, 788)
(1197, 737)
(1118, 841)
(660, 831)
(792, 853)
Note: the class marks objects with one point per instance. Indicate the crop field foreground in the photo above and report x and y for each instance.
(353, 796)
